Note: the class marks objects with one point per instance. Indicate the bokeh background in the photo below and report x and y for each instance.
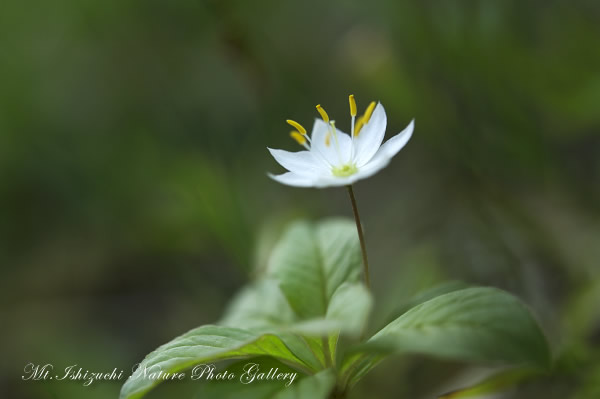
(134, 199)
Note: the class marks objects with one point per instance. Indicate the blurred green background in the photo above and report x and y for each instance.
(134, 199)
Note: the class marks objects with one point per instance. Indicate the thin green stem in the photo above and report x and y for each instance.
(361, 237)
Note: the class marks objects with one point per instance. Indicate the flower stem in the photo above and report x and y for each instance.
(361, 237)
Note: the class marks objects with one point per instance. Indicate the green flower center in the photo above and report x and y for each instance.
(344, 170)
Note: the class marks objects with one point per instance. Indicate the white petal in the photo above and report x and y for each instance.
(333, 181)
(292, 179)
(393, 145)
(301, 163)
(396, 143)
(374, 166)
(370, 137)
(330, 152)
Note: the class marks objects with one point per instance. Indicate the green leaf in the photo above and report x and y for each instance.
(312, 260)
(260, 305)
(479, 324)
(262, 308)
(484, 325)
(201, 345)
(430, 293)
(349, 307)
(347, 312)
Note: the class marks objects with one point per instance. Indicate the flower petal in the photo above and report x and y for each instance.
(370, 137)
(292, 179)
(330, 152)
(302, 163)
(391, 147)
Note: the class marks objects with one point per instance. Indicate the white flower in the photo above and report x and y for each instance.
(332, 157)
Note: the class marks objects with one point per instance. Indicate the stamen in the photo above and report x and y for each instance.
(298, 126)
(334, 132)
(328, 139)
(363, 120)
(335, 137)
(369, 111)
(359, 124)
(352, 105)
(323, 113)
(300, 139)
(352, 122)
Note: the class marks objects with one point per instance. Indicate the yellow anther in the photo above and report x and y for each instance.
(300, 139)
(352, 105)
(323, 113)
(368, 112)
(363, 120)
(359, 124)
(328, 139)
(298, 126)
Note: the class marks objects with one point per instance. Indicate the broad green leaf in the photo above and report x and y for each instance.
(347, 312)
(262, 308)
(479, 324)
(493, 384)
(312, 260)
(424, 296)
(203, 345)
(241, 386)
(260, 305)
(484, 325)
(349, 307)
